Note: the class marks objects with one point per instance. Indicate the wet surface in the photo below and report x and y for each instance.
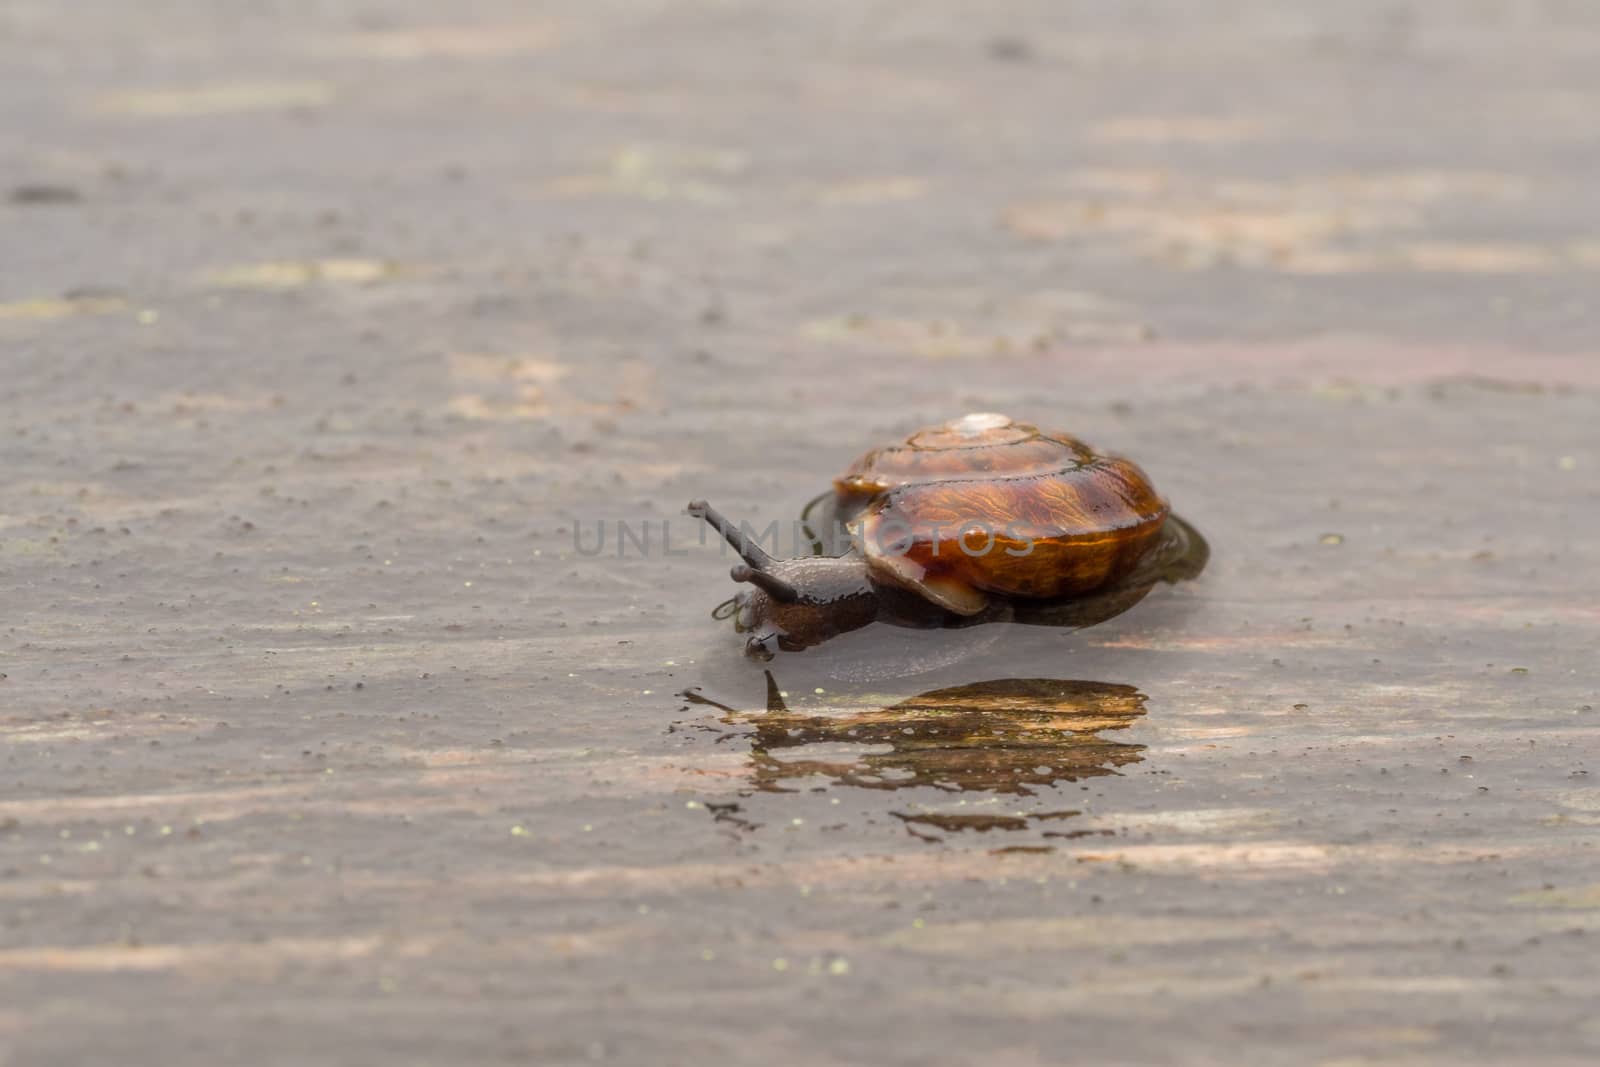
(1001, 741)
(323, 740)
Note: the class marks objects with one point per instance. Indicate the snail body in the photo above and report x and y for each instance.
(963, 522)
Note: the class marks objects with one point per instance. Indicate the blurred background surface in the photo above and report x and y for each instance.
(325, 325)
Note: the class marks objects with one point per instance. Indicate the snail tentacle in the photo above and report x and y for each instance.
(776, 587)
(748, 550)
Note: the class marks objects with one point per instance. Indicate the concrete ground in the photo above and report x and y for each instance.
(325, 327)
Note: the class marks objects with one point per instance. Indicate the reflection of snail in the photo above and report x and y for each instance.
(976, 520)
(1008, 736)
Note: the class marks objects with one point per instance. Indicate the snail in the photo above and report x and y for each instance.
(976, 520)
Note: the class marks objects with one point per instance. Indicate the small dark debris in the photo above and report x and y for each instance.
(45, 194)
(1007, 49)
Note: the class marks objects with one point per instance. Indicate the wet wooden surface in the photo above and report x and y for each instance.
(325, 328)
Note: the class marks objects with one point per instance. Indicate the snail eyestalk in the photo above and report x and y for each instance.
(748, 550)
(776, 588)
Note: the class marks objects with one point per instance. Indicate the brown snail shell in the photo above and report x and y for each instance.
(984, 505)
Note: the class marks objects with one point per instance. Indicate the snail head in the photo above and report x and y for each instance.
(792, 604)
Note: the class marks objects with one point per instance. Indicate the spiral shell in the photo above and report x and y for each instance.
(985, 505)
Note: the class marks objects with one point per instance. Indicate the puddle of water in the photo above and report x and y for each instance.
(1003, 746)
